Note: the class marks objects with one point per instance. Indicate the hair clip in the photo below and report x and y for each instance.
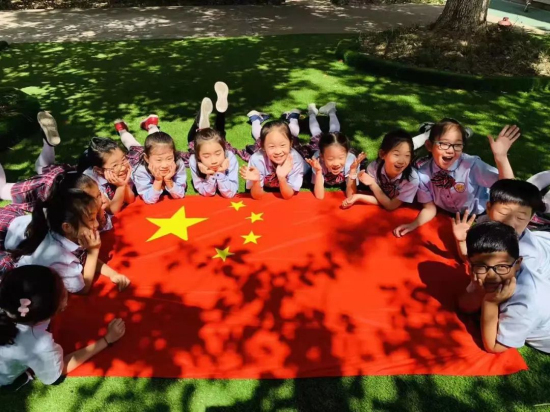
(24, 308)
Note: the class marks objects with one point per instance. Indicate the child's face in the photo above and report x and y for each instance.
(502, 262)
(161, 158)
(510, 214)
(445, 157)
(211, 155)
(117, 162)
(88, 223)
(277, 147)
(93, 191)
(397, 159)
(334, 158)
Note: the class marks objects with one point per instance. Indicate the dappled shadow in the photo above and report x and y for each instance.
(538, 18)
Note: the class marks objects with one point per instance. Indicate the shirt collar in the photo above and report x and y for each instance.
(66, 243)
(384, 173)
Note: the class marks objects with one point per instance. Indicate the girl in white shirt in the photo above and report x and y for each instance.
(29, 297)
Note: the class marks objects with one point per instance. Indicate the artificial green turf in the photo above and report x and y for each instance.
(88, 85)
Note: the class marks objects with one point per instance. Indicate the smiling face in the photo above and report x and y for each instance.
(511, 214)
(491, 280)
(211, 154)
(444, 158)
(116, 162)
(397, 159)
(161, 157)
(334, 157)
(277, 147)
(93, 190)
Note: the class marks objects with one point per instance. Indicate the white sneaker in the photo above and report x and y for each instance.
(328, 108)
(312, 109)
(206, 110)
(222, 91)
(49, 127)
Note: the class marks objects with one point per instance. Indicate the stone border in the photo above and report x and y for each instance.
(348, 51)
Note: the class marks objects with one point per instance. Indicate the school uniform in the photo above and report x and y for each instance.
(227, 183)
(34, 348)
(143, 181)
(330, 178)
(268, 176)
(525, 317)
(464, 186)
(534, 247)
(55, 251)
(7, 215)
(107, 189)
(400, 188)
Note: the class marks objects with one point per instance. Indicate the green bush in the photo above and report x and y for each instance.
(17, 116)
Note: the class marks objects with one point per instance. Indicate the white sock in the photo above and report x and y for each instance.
(128, 140)
(294, 127)
(256, 129)
(418, 141)
(5, 188)
(314, 127)
(334, 123)
(46, 158)
(546, 200)
(152, 129)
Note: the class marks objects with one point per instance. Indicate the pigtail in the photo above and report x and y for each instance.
(94, 155)
(379, 169)
(35, 233)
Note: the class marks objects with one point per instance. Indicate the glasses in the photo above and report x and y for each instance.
(457, 147)
(501, 269)
(116, 167)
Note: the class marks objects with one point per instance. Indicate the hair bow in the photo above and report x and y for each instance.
(24, 308)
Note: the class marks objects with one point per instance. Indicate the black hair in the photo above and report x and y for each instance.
(156, 139)
(97, 152)
(208, 135)
(41, 285)
(279, 125)
(390, 141)
(443, 126)
(333, 138)
(491, 237)
(65, 204)
(517, 192)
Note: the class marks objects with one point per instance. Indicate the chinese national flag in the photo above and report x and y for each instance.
(279, 289)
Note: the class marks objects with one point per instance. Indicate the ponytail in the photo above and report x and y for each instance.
(28, 295)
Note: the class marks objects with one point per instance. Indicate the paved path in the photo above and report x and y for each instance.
(295, 17)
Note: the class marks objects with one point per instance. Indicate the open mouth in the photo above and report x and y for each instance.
(447, 158)
(336, 170)
(491, 286)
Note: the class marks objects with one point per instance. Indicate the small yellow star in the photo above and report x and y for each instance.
(255, 217)
(222, 253)
(251, 238)
(176, 225)
(237, 205)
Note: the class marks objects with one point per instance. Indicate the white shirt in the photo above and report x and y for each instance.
(55, 252)
(34, 348)
(535, 249)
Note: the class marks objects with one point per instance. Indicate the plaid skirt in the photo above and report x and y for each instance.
(7, 215)
(25, 194)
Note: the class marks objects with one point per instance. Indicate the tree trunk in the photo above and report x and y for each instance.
(464, 16)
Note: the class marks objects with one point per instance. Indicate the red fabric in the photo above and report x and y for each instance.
(325, 292)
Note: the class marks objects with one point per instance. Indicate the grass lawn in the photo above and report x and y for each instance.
(88, 85)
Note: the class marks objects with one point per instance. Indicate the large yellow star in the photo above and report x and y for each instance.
(237, 205)
(251, 238)
(255, 217)
(222, 253)
(176, 225)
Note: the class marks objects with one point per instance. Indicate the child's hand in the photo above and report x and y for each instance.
(462, 225)
(121, 281)
(355, 165)
(250, 173)
(505, 140)
(115, 330)
(90, 240)
(224, 166)
(315, 165)
(204, 170)
(114, 179)
(365, 178)
(171, 173)
(349, 202)
(284, 169)
(402, 230)
(155, 171)
(504, 292)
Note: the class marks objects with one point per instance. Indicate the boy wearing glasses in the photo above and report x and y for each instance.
(455, 181)
(513, 302)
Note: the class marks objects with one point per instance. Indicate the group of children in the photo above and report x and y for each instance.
(50, 233)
